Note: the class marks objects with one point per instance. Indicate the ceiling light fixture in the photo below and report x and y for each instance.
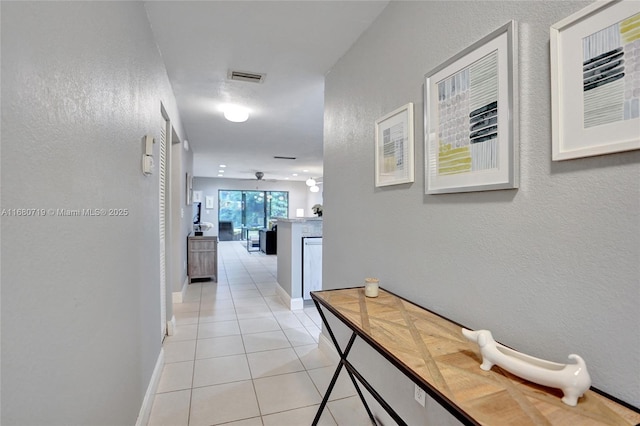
(311, 182)
(222, 166)
(235, 113)
(314, 188)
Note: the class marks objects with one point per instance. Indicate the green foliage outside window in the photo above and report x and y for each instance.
(253, 209)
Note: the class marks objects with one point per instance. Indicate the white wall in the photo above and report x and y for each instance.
(82, 82)
(551, 268)
(299, 195)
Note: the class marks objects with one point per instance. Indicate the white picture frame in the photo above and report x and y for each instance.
(189, 189)
(471, 117)
(394, 147)
(592, 72)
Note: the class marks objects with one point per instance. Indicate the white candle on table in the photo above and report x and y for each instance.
(371, 287)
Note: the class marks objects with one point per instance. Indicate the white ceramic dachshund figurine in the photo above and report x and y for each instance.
(573, 379)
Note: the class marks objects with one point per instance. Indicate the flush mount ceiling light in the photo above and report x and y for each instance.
(314, 188)
(311, 182)
(235, 113)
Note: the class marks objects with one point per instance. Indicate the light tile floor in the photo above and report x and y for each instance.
(240, 357)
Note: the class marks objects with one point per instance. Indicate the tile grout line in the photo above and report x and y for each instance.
(306, 324)
(195, 350)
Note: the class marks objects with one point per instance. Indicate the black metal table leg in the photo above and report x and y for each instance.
(343, 361)
(353, 374)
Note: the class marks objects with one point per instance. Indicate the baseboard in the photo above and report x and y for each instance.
(326, 347)
(147, 402)
(178, 296)
(171, 326)
(293, 304)
(297, 304)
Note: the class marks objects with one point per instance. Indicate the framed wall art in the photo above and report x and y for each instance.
(595, 81)
(209, 201)
(394, 147)
(189, 189)
(471, 118)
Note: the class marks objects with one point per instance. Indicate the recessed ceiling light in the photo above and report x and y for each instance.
(220, 171)
(222, 165)
(236, 113)
(220, 175)
(306, 171)
(295, 174)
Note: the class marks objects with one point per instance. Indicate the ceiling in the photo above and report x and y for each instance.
(295, 43)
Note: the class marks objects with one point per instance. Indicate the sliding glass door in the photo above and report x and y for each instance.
(251, 209)
(277, 205)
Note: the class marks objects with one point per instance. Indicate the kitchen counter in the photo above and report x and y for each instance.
(291, 236)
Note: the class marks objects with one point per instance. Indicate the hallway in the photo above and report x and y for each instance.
(240, 357)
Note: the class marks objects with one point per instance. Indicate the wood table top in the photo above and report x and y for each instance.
(431, 350)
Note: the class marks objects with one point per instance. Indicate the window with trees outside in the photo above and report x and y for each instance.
(251, 209)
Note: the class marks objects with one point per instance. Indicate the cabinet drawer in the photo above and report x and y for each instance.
(202, 245)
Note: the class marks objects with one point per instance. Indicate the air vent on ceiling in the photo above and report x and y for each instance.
(278, 157)
(251, 77)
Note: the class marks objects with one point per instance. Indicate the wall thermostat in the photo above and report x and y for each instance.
(147, 165)
(147, 156)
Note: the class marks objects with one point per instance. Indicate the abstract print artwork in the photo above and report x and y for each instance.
(394, 158)
(611, 73)
(393, 148)
(595, 80)
(470, 118)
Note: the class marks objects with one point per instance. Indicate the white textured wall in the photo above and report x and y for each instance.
(82, 82)
(552, 268)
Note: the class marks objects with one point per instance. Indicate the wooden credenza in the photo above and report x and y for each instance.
(202, 257)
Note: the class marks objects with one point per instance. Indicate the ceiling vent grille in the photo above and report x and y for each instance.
(251, 77)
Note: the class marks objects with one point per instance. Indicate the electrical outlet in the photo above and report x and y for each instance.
(419, 395)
